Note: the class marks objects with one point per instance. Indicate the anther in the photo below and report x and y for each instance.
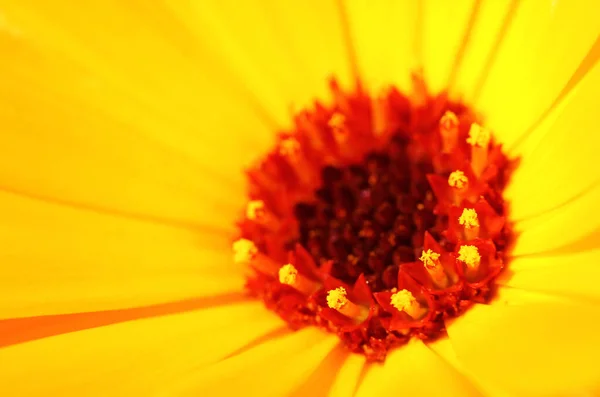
(337, 122)
(405, 302)
(244, 251)
(337, 299)
(431, 262)
(289, 148)
(469, 254)
(257, 212)
(289, 275)
(470, 221)
(458, 180)
(479, 139)
(449, 131)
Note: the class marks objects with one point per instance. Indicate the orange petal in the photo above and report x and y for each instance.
(57, 259)
(574, 275)
(274, 368)
(139, 119)
(273, 47)
(537, 349)
(541, 50)
(133, 358)
(384, 35)
(415, 370)
(557, 159)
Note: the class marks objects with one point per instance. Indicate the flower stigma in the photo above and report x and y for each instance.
(362, 219)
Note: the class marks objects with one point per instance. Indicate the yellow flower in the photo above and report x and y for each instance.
(126, 127)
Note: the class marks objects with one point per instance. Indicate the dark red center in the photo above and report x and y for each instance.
(355, 195)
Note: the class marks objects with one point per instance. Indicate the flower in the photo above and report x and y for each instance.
(126, 128)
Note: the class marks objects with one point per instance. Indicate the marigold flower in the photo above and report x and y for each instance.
(188, 209)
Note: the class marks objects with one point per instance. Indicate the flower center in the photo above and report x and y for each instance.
(377, 219)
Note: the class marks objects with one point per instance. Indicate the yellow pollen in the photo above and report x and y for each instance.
(336, 298)
(244, 250)
(429, 258)
(469, 254)
(449, 121)
(255, 209)
(458, 180)
(287, 274)
(337, 121)
(479, 136)
(403, 300)
(468, 218)
(289, 147)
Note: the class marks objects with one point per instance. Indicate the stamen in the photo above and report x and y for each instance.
(337, 299)
(449, 131)
(458, 180)
(470, 221)
(479, 139)
(289, 275)
(379, 114)
(469, 254)
(405, 302)
(431, 261)
(244, 251)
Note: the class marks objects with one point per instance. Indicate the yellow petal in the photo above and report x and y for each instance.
(445, 37)
(538, 349)
(349, 376)
(489, 27)
(274, 368)
(415, 370)
(541, 50)
(139, 119)
(325, 375)
(274, 48)
(560, 227)
(444, 348)
(133, 358)
(57, 259)
(385, 37)
(574, 275)
(557, 161)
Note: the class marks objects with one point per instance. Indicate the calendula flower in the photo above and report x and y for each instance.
(180, 217)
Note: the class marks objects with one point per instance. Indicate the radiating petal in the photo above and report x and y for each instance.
(559, 227)
(283, 51)
(133, 358)
(493, 18)
(139, 118)
(349, 376)
(443, 347)
(384, 34)
(541, 50)
(572, 275)
(445, 38)
(415, 370)
(558, 160)
(57, 259)
(537, 349)
(274, 368)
